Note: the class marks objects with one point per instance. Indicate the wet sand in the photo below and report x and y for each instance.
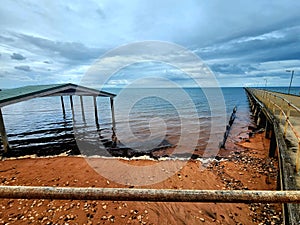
(246, 165)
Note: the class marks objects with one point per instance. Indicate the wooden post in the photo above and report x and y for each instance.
(72, 107)
(82, 109)
(3, 134)
(63, 106)
(113, 136)
(273, 145)
(112, 113)
(96, 111)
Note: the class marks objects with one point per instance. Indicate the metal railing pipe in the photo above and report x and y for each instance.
(151, 195)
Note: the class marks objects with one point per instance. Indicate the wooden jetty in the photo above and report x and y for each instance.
(15, 95)
(279, 114)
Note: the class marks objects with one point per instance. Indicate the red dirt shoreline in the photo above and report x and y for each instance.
(246, 167)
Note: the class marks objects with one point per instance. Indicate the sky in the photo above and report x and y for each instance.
(244, 43)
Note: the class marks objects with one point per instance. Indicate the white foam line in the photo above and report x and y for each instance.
(202, 160)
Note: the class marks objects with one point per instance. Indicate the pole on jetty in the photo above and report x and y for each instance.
(96, 111)
(72, 107)
(288, 71)
(151, 195)
(82, 109)
(63, 106)
(3, 134)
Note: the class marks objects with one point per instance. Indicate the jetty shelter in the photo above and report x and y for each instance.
(15, 95)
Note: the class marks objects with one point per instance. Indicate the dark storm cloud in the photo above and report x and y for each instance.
(232, 68)
(24, 68)
(69, 50)
(273, 46)
(6, 39)
(236, 38)
(17, 56)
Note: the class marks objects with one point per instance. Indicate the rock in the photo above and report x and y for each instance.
(104, 218)
(139, 217)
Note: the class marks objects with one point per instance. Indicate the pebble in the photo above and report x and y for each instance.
(139, 217)
(104, 218)
(202, 219)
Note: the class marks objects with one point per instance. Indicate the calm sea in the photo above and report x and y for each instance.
(144, 117)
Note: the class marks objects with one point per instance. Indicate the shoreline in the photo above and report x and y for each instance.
(247, 167)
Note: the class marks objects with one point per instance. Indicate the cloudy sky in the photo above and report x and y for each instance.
(244, 43)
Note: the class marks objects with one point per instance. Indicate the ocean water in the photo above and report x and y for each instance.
(293, 90)
(190, 118)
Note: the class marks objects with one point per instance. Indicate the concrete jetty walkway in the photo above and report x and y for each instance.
(279, 114)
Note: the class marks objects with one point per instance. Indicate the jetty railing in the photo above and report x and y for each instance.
(275, 103)
(149, 195)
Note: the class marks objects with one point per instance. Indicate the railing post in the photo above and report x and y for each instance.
(269, 102)
(287, 120)
(280, 115)
(298, 157)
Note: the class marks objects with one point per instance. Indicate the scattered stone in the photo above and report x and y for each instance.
(104, 218)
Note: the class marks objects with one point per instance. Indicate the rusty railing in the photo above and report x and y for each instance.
(271, 101)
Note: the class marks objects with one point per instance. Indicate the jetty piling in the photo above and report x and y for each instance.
(113, 137)
(82, 109)
(72, 108)
(63, 106)
(96, 112)
(273, 145)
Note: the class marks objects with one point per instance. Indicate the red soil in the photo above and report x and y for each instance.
(247, 167)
